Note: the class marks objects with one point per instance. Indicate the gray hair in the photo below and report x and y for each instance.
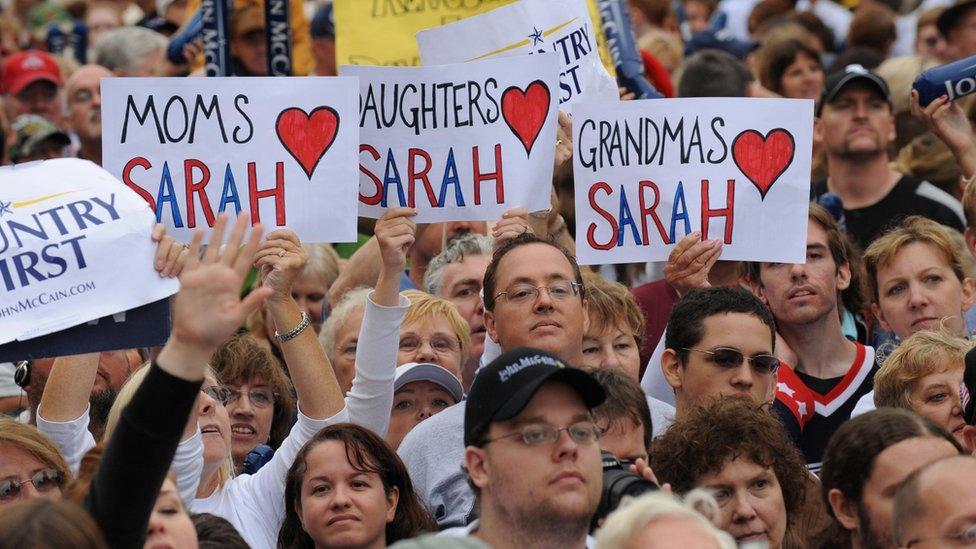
(323, 261)
(122, 48)
(456, 250)
(636, 513)
(350, 301)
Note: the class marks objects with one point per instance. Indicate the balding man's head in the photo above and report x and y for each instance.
(83, 103)
(937, 503)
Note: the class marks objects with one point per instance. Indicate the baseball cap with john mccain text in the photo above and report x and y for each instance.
(852, 73)
(505, 387)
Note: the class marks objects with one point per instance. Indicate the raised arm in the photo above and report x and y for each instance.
(371, 397)
(280, 259)
(207, 310)
(949, 123)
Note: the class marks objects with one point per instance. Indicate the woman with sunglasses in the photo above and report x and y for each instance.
(348, 488)
(30, 464)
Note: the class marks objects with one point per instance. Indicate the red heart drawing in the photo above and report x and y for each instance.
(525, 111)
(763, 159)
(307, 136)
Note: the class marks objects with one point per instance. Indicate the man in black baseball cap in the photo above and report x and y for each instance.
(958, 25)
(532, 452)
(855, 124)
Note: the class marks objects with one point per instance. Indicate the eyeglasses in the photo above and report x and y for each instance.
(583, 432)
(966, 538)
(439, 344)
(43, 481)
(733, 358)
(524, 293)
(261, 398)
(217, 392)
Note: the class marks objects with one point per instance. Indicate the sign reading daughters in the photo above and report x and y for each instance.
(649, 172)
(457, 142)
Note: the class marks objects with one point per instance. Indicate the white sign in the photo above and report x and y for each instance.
(649, 172)
(529, 27)
(283, 149)
(457, 142)
(74, 246)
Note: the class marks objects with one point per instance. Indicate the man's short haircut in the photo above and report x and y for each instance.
(686, 323)
(122, 48)
(350, 302)
(912, 229)
(908, 507)
(465, 245)
(610, 305)
(634, 514)
(923, 353)
(722, 429)
(424, 306)
(849, 457)
(524, 239)
(872, 27)
(714, 73)
(625, 403)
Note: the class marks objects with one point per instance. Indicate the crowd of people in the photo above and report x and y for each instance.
(469, 384)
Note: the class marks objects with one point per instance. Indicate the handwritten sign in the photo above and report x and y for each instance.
(74, 246)
(283, 149)
(528, 27)
(382, 32)
(457, 142)
(649, 172)
(144, 326)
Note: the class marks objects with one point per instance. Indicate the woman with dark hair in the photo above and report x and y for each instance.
(791, 68)
(743, 454)
(347, 488)
(51, 524)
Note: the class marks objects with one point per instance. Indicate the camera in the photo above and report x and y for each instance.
(618, 482)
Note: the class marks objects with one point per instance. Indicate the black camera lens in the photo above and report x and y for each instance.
(618, 482)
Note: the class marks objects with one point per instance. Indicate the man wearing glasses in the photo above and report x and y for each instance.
(532, 452)
(936, 506)
(533, 297)
(719, 342)
(828, 373)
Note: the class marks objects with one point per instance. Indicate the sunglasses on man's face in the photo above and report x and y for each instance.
(44, 481)
(733, 358)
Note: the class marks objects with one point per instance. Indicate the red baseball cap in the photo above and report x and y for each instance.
(25, 68)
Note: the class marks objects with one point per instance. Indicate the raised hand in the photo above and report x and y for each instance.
(170, 254)
(395, 233)
(690, 261)
(279, 259)
(513, 223)
(948, 122)
(564, 143)
(208, 308)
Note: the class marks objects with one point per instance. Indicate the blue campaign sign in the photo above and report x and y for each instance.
(145, 326)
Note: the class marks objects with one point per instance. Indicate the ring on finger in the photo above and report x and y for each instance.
(281, 253)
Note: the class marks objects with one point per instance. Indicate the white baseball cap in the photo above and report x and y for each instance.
(413, 371)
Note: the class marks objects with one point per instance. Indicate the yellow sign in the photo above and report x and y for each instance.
(382, 32)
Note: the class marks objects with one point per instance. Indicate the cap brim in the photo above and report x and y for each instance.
(434, 374)
(949, 19)
(830, 94)
(18, 85)
(585, 385)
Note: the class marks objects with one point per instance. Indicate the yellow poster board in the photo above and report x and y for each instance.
(383, 32)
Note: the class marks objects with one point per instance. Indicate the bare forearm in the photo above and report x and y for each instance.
(68, 388)
(311, 373)
(362, 269)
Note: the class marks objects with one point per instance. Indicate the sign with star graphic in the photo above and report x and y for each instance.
(75, 246)
(529, 27)
(458, 142)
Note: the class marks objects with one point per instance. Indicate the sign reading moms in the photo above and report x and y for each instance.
(283, 149)
(74, 247)
(457, 142)
(528, 27)
(650, 172)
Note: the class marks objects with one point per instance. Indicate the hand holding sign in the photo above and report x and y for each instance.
(170, 254)
(395, 234)
(208, 309)
(279, 259)
(690, 262)
(513, 223)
